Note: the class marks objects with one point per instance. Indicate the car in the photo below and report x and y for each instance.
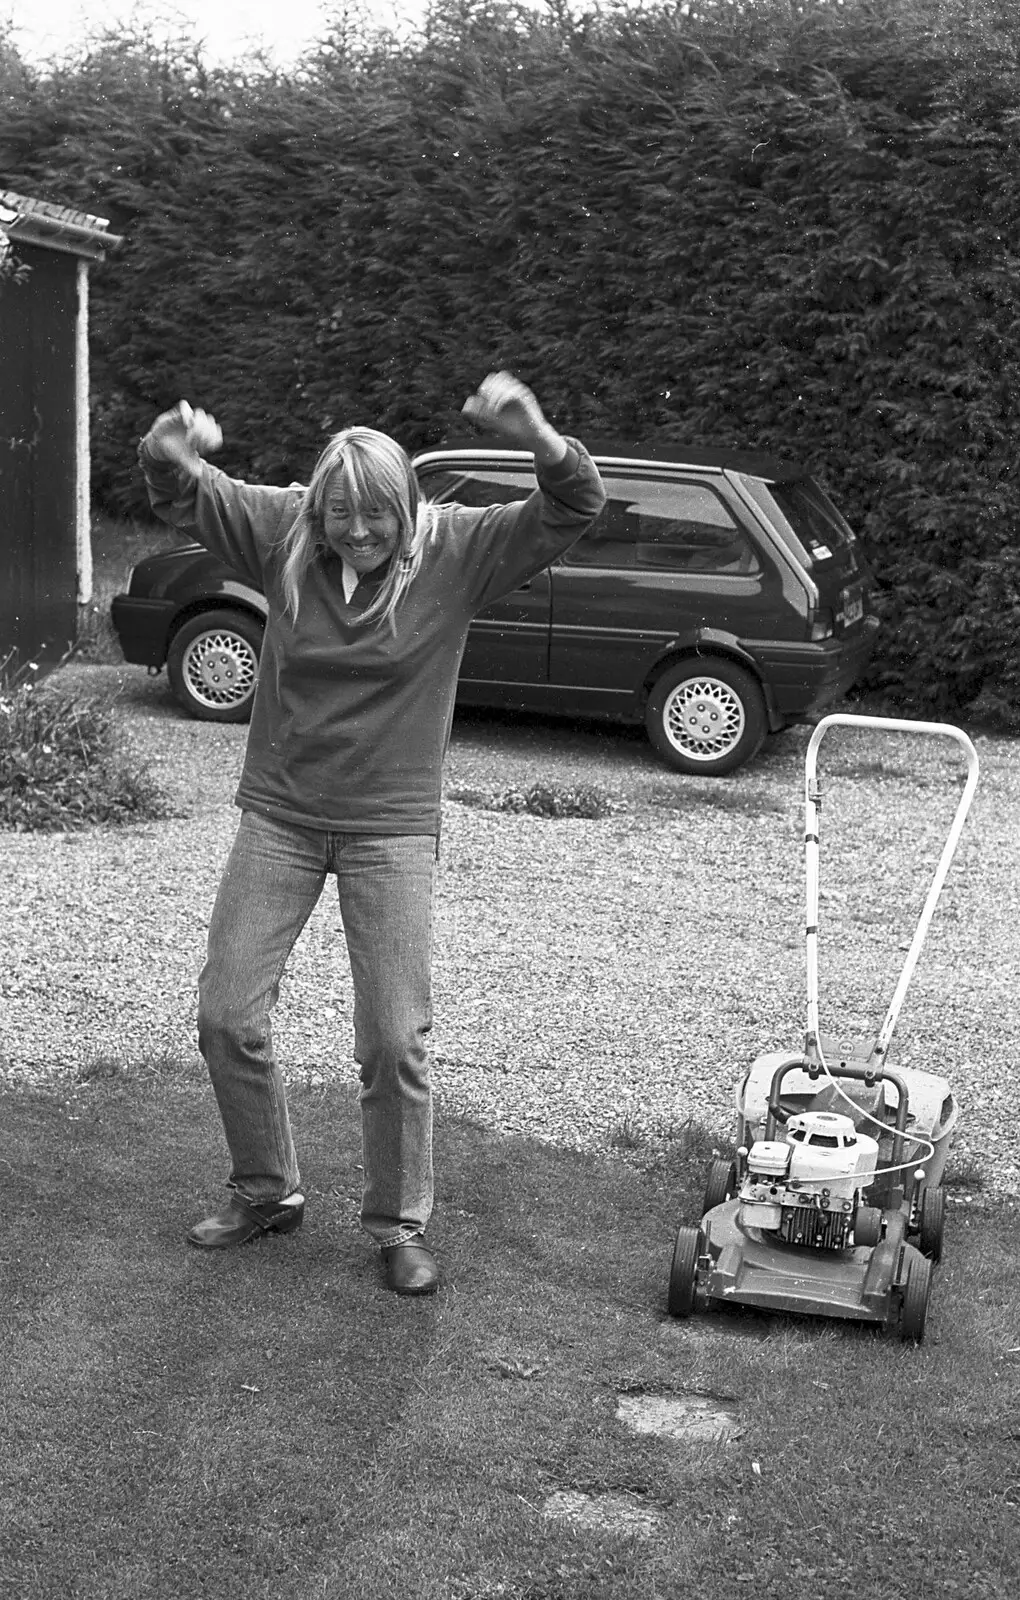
(719, 597)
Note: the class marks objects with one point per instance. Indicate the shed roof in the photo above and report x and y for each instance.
(55, 227)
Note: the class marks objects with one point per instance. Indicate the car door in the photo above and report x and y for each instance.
(667, 559)
(508, 643)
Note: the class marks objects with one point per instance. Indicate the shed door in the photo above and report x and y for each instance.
(38, 547)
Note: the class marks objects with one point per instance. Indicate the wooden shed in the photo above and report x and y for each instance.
(45, 549)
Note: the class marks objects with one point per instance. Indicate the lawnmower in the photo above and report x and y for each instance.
(833, 1206)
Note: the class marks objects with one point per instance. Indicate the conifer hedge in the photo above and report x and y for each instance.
(781, 225)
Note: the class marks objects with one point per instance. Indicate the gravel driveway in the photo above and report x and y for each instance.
(589, 975)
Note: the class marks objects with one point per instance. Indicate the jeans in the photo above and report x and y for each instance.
(273, 878)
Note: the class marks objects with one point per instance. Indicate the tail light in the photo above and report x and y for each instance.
(821, 625)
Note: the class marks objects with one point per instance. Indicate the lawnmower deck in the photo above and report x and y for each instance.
(749, 1268)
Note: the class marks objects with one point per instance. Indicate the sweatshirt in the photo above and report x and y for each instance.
(350, 722)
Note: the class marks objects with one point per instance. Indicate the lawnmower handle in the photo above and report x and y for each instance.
(812, 801)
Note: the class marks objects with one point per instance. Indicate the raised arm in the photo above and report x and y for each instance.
(507, 544)
(236, 521)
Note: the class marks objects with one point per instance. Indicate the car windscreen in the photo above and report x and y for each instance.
(802, 512)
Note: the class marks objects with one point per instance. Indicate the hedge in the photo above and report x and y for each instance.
(774, 225)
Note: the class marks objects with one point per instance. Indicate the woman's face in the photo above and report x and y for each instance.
(364, 535)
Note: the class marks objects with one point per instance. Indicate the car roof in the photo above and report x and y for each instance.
(632, 452)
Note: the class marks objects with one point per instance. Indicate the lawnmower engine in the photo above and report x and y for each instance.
(807, 1187)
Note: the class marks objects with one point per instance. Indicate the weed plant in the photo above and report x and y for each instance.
(63, 764)
(543, 799)
(96, 641)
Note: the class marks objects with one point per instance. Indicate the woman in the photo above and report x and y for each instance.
(370, 594)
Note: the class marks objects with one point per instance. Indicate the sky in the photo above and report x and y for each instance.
(44, 28)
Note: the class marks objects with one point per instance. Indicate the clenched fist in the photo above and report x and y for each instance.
(506, 406)
(183, 436)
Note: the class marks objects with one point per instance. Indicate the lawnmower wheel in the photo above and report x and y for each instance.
(868, 1225)
(931, 1223)
(683, 1279)
(914, 1307)
(721, 1184)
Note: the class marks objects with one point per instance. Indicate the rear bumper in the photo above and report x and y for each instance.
(805, 678)
(143, 628)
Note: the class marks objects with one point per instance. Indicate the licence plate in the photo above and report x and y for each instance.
(853, 606)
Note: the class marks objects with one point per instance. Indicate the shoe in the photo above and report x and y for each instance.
(243, 1220)
(410, 1267)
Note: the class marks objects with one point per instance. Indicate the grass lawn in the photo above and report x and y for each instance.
(269, 1422)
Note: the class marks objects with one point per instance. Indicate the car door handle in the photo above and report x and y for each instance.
(525, 585)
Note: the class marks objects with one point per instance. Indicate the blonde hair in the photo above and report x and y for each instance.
(376, 471)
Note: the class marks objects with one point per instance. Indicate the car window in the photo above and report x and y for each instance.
(665, 527)
(806, 511)
(476, 487)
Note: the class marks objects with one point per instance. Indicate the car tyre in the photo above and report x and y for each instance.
(706, 716)
(213, 664)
